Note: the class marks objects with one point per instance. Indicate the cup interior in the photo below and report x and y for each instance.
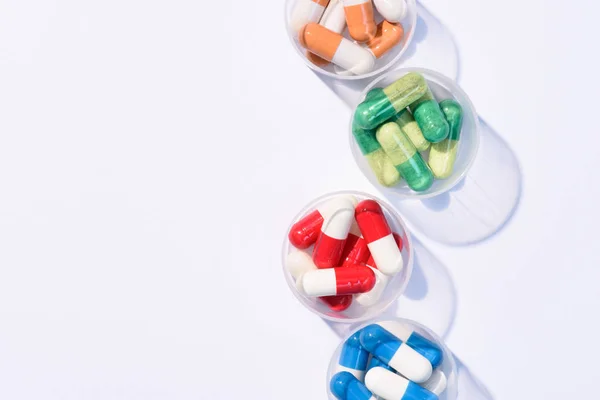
(448, 365)
(442, 88)
(409, 23)
(395, 287)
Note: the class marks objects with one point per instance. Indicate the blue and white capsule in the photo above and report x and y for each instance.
(353, 357)
(390, 386)
(437, 383)
(345, 386)
(398, 355)
(376, 362)
(421, 345)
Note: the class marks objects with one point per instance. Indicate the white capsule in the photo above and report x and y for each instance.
(372, 297)
(391, 10)
(437, 383)
(354, 58)
(298, 263)
(391, 386)
(306, 11)
(334, 17)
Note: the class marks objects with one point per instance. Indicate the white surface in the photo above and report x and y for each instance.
(123, 191)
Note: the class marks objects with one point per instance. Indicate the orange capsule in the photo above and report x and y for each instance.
(388, 35)
(360, 19)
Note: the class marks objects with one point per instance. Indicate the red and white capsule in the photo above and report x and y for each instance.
(338, 218)
(338, 281)
(371, 262)
(376, 231)
(356, 251)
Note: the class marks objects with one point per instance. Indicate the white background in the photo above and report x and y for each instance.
(152, 154)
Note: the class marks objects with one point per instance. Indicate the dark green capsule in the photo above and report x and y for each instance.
(430, 118)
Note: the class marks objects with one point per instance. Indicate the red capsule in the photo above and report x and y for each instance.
(306, 231)
(337, 303)
(356, 251)
(334, 232)
(338, 281)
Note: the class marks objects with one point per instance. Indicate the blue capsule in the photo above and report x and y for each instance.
(345, 386)
(353, 357)
(421, 345)
(376, 362)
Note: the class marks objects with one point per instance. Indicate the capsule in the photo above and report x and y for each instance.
(338, 281)
(398, 355)
(409, 126)
(375, 362)
(356, 251)
(391, 10)
(345, 386)
(389, 385)
(334, 47)
(353, 357)
(443, 154)
(388, 35)
(430, 118)
(337, 303)
(379, 237)
(360, 19)
(380, 163)
(383, 104)
(405, 157)
(425, 347)
(437, 383)
(333, 19)
(307, 11)
(371, 262)
(334, 232)
(306, 231)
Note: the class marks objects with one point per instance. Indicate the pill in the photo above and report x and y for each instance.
(338, 281)
(307, 11)
(395, 353)
(426, 111)
(383, 104)
(425, 347)
(306, 231)
(371, 297)
(391, 386)
(405, 157)
(391, 10)
(379, 237)
(333, 19)
(334, 47)
(380, 163)
(388, 35)
(376, 362)
(371, 262)
(337, 303)
(443, 154)
(353, 357)
(409, 126)
(356, 251)
(338, 219)
(345, 386)
(437, 383)
(360, 19)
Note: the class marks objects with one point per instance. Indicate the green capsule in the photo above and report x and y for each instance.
(407, 123)
(382, 104)
(430, 118)
(380, 163)
(443, 154)
(405, 157)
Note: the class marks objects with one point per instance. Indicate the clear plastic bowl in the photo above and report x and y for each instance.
(448, 365)
(382, 64)
(395, 287)
(442, 88)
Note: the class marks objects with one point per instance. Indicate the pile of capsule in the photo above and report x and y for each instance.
(355, 253)
(320, 26)
(400, 126)
(389, 360)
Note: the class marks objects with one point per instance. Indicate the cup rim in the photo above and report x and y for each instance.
(455, 88)
(408, 263)
(411, 4)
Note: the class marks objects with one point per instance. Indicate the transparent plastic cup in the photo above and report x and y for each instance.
(448, 365)
(395, 287)
(382, 64)
(442, 88)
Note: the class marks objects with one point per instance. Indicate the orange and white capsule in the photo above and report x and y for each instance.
(335, 48)
(360, 19)
(307, 11)
(333, 19)
(388, 35)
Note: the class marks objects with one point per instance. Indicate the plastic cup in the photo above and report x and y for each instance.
(442, 88)
(448, 365)
(395, 287)
(382, 64)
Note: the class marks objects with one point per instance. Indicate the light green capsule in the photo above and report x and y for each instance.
(407, 123)
(443, 154)
(382, 104)
(380, 163)
(430, 118)
(404, 155)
